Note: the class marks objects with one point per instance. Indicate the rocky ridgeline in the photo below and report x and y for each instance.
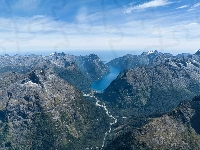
(155, 88)
(40, 110)
(79, 71)
(178, 129)
(130, 61)
(92, 65)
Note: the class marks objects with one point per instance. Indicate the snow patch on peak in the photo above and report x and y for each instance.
(198, 50)
(31, 84)
(52, 54)
(150, 52)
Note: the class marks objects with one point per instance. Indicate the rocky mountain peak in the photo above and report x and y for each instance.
(93, 56)
(33, 77)
(57, 54)
(153, 52)
(198, 52)
(150, 52)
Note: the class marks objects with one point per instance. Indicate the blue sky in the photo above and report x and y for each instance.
(38, 26)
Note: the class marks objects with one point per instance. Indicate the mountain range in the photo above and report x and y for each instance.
(81, 71)
(46, 103)
(155, 88)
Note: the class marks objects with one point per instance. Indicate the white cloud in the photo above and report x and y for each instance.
(184, 6)
(193, 25)
(151, 4)
(40, 33)
(194, 6)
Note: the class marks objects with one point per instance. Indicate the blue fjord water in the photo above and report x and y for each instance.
(105, 81)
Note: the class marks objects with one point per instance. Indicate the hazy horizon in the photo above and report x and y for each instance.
(103, 55)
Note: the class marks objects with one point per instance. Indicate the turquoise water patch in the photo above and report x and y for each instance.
(105, 81)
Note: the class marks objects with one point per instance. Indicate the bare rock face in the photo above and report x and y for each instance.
(178, 129)
(42, 111)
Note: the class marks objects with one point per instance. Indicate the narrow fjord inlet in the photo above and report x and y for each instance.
(105, 81)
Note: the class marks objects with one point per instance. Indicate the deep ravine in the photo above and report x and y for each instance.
(111, 123)
(109, 115)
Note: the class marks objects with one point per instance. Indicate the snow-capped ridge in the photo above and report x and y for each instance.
(151, 52)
